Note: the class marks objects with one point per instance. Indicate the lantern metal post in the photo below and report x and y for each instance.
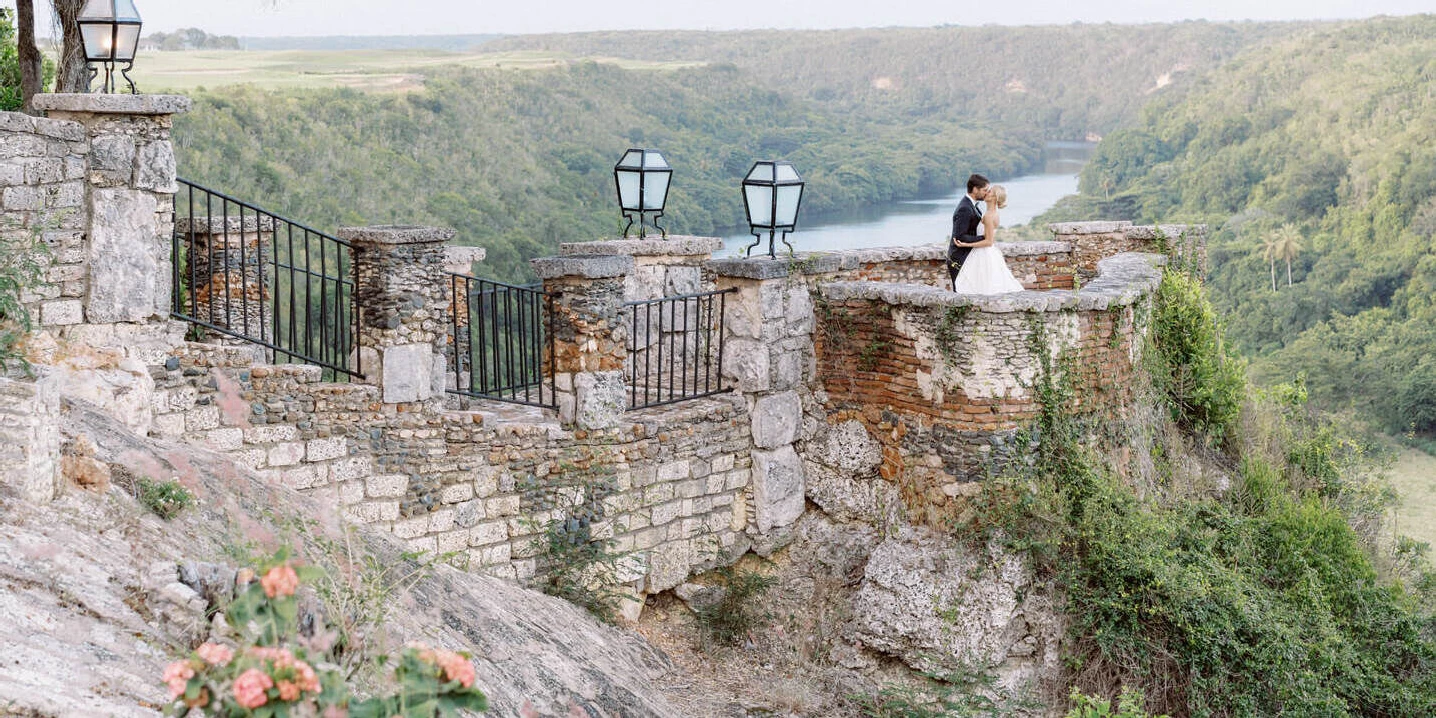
(110, 30)
(772, 194)
(642, 177)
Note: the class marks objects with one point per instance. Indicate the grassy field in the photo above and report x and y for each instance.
(1414, 476)
(367, 70)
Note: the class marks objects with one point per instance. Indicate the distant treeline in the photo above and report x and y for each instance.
(189, 38)
(452, 43)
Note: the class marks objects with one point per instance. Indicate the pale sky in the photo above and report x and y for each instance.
(453, 17)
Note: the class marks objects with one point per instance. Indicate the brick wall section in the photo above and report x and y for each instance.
(42, 189)
(944, 381)
(1092, 242)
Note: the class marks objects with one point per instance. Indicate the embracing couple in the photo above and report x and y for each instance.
(974, 264)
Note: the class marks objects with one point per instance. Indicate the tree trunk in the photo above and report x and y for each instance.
(1273, 275)
(32, 64)
(74, 73)
(1288, 272)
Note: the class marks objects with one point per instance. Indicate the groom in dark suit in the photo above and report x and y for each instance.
(964, 225)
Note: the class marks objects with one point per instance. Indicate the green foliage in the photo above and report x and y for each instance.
(872, 353)
(165, 499)
(1204, 384)
(1129, 705)
(579, 569)
(11, 98)
(948, 334)
(728, 620)
(22, 262)
(1267, 141)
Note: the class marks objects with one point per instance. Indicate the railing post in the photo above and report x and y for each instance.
(403, 299)
(590, 336)
(227, 260)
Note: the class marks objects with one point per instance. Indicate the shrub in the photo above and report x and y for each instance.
(165, 499)
(22, 259)
(727, 620)
(580, 569)
(273, 672)
(1204, 384)
(1130, 705)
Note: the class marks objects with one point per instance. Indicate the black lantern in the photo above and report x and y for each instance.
(772, 192)
(642, 177)
(111, 31)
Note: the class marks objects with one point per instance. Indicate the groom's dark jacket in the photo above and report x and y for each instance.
(964, 229)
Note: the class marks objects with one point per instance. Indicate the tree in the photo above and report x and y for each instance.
(32, 63)
(1288, 246)
(74, 72)
(1269, 255)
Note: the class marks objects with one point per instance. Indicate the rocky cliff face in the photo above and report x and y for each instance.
(96, 604)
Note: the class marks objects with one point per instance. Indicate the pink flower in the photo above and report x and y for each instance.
(335, 712)
(456, 667)
(288, 691)
(250, 687)
(308, 681)
(280, 581)
(215, 654)
(177, 676)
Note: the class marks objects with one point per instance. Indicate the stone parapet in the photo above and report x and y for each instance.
(674, 246)
(100, 103)
(589, 336)
(1094, 241)
(584, 266)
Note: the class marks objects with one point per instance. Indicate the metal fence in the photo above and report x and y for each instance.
(501, 348)
(244, 272)
(676, 348)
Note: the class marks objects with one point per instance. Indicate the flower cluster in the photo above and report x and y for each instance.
(268, 674)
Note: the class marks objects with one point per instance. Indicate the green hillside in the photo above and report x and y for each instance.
(514, 146)
(1066, 81)
(1329, 132)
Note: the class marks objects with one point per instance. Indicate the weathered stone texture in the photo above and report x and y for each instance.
(30, 438)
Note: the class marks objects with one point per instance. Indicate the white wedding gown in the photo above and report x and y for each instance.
(986, 272)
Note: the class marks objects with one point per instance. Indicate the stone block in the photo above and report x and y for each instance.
(664, 513)
(408, 373)
(457, 493)
(372, 512)
(326, 449)
(129, 267)
(412, 528)
(30, 438)
(490, 532)
(502, 506)
(63, 312)
(601, 397)
(386, 486)
(23, 198)
(226, 439)
(746, 367)
(286, 454)
(452, 541)
(352, 468)
(271, 434)
(668, 565)
(778, 488)
(674, 471)
(776, 419)
(155, 167)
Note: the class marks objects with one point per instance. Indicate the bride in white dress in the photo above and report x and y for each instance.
(985, 270)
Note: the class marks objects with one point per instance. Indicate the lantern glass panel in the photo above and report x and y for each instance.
(125, 11)
(787, 212)
(99, 10)
(760, 204)
(655, 190)
(628, 189)
(786, 173)
(761, 172)
(632, 159)
(127, 42)
(653, 160)
(99, 42)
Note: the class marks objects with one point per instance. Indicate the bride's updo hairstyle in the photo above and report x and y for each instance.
(997, 195)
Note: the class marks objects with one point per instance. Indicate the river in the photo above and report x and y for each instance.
(928, 221)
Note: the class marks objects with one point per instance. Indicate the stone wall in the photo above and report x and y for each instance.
(1092, 242)
(30, 438)
(42, 188)
(944, 381)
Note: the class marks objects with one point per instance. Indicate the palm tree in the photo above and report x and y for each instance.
(1288, 246)
(1269, 253)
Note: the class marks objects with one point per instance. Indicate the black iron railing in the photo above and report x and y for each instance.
(501, 350)
(676, 348)
(244, 272)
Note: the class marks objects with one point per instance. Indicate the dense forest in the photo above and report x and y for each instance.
(521, 160)
(1314, 163)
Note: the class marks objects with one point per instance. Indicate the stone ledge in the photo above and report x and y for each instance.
(1151, 231)
(674, 246)
(1097, 227)
(396, 234)
(752, 267)
(589, 266)
(112, 104)
(1121, 281)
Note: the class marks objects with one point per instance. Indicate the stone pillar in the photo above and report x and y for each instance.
(131, 183)
(403, 296)
(227, 256)
(590, 336)
(768, 357)
(1093, 242)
